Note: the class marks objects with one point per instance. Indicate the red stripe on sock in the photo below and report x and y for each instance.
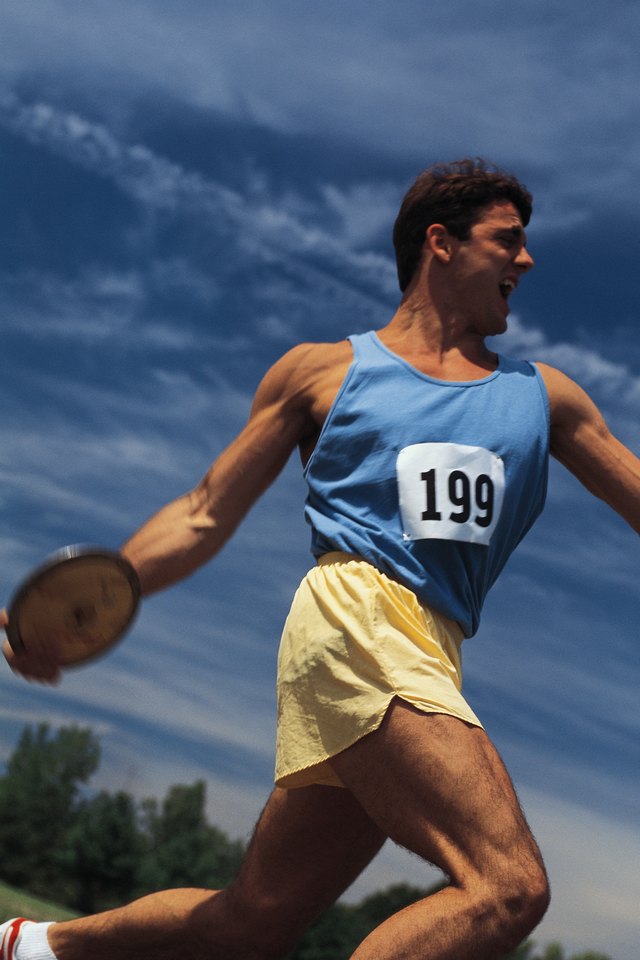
(10, 941)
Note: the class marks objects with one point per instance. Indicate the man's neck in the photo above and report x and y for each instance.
(435, 346)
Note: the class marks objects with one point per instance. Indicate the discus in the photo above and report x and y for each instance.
(75, 606)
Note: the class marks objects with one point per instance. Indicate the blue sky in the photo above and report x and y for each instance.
(190, 190)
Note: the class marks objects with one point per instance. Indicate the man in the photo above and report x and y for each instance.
(426, 459)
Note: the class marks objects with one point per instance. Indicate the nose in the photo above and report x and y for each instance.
(524, 260)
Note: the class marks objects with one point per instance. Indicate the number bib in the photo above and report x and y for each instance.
(449, 491)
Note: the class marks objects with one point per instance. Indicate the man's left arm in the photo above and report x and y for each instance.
(582, 442)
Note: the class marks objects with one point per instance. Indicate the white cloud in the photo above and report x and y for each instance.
(262, 227)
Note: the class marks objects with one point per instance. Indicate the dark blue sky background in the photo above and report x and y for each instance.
(187, 191)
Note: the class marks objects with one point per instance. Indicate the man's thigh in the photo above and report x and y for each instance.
(437, 786)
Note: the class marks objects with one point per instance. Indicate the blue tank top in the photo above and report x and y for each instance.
(433, 482)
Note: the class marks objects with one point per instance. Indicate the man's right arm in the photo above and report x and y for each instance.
(190, 530)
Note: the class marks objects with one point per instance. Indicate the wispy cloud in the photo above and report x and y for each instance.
(556, 98)
(98, 307)
(159, 183)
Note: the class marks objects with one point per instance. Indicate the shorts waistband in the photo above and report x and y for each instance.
(339, 556)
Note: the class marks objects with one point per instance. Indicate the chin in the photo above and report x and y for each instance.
(495, 327)
(502, 327)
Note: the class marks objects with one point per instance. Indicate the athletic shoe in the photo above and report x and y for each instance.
(9, 933)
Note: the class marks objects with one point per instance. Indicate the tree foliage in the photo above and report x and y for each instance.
(100, 862)
(553, 951)
(103, 850)
(39, 802)
(181, 848)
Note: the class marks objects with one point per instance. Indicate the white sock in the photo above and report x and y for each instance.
(33, 943)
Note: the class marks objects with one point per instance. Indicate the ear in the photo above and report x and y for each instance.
(439, 241)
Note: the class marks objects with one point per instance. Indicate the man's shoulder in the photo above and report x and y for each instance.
(559, 385)
(304, 369)
(568, 402)
(307, 361)
(318, 353)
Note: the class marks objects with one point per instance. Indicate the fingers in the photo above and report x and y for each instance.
(31, 665)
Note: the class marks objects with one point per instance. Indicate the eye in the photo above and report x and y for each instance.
(512, 239)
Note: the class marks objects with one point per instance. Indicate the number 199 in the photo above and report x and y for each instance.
(481, 499)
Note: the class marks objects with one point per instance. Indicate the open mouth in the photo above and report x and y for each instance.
(506, 288)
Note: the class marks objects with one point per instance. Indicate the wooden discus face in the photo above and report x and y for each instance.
(74, 608)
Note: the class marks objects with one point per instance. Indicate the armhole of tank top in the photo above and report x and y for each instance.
(544, 394)
(336, 400)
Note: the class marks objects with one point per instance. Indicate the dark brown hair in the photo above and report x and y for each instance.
(452, 194)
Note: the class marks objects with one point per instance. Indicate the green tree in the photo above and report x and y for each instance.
(100, 862)
(181, 847)
(333, 937)
(39, 797)
(523, 952)
(590, 955)
(553, 951)
(379, 906)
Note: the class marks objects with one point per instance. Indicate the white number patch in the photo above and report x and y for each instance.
(449, 491)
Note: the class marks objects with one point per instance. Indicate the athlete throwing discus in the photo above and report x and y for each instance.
(425, 456)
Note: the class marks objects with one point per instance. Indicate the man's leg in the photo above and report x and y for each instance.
(437, 786)
(309, 845)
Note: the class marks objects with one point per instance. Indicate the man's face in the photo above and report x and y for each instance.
(488, 267)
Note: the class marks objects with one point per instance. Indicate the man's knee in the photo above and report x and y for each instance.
(519, 900)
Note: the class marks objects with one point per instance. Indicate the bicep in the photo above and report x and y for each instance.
(277, 424)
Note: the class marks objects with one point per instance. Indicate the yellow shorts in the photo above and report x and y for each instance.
(355, 639)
